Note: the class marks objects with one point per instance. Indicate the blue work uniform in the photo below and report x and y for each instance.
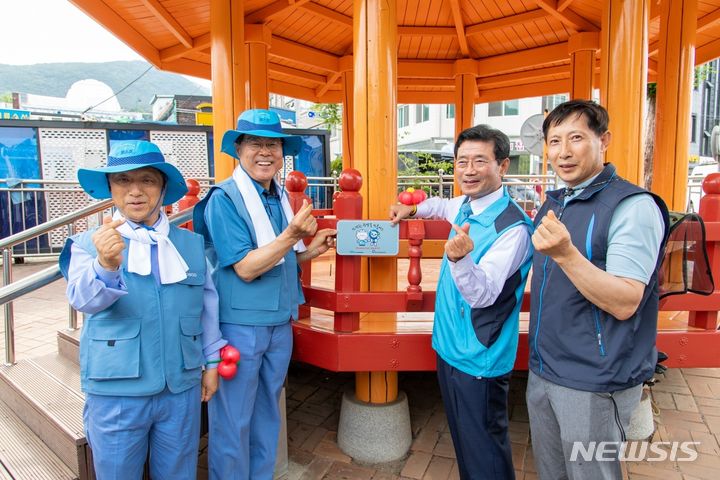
(255, 318)
(141, 359)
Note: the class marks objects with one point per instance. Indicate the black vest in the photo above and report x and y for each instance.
(572, 342)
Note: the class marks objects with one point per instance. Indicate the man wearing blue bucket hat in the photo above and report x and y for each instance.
(254, 245)
(151, 320)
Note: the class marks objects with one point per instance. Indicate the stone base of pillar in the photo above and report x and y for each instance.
(374, 433)
(642, 424)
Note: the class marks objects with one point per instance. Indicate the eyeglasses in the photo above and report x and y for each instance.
(272, 145)
(477, 163)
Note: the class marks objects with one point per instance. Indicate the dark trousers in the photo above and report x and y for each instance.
(476, 410)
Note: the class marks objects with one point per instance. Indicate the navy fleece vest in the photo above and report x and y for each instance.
(572, 342)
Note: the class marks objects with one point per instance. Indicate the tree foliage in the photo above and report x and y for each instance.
(329, 113)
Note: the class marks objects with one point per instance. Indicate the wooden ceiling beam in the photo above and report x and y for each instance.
(563, 4)
(187, 67)
(292, 90)
(329, 14)
(653, 48)
(308, 56)
(331, 79)
(708, 21)
(568, 17)
(427, 31)
(426, 82)
(264, 14)
(652, 65)
(332, 96)
(278, 7)
(654, 10)
(424, 96)
(114, 23)
(509, 79)
(489, 66)
(707, 52)
(524, 59)
(460, 27)
(509, 21)
(703, 23)
(178, 51)
(550, 87)
(426, 69)
(169, 22)
(294, 72)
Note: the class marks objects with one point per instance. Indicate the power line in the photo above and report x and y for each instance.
(119, 91)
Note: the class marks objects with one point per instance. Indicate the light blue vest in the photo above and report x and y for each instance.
(150, 337)
(256, 302)
(482, 341)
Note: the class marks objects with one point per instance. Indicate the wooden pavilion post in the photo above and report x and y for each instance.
(346, 75)
(582, 48)
(466, 91)
(623, 82)
(257, 44)
(227, 32)
(676, 62)
(375, 151)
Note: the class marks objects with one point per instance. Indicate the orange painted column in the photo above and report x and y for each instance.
(465, 93)
(582, 48)
(228, 75)
(623, 79)
(375, 152)
(348, 98)
(257, 44)
(676, 62)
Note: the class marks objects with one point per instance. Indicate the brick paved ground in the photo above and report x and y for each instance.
(688, 402)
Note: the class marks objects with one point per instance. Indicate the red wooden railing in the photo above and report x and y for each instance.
(696, 345)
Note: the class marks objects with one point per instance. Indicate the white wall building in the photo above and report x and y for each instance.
(429, 127)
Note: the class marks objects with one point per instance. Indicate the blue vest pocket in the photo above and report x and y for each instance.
(263, 293)
(191, 342)
(114, 350)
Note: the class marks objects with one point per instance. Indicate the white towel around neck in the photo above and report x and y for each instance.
(264, 232)
(171, 265)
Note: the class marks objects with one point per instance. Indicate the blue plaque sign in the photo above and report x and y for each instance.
(367, 237)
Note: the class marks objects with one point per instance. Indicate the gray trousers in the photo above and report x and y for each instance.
(561, 416)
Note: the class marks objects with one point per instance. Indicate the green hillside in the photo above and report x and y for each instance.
(54, 79)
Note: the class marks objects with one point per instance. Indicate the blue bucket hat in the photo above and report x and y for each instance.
(132, 155)
(260, 123)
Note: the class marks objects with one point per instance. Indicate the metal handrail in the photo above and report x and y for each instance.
(44, 277)
(50, 225)
(43, 181)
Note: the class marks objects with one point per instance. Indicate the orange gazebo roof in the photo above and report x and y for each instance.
(516, 43)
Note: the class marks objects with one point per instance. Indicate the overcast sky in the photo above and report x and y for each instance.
(50, 31)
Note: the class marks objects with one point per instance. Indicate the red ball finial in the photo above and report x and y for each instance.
(193, 187)
(711, 184)
(296, 182)
(350, 180)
